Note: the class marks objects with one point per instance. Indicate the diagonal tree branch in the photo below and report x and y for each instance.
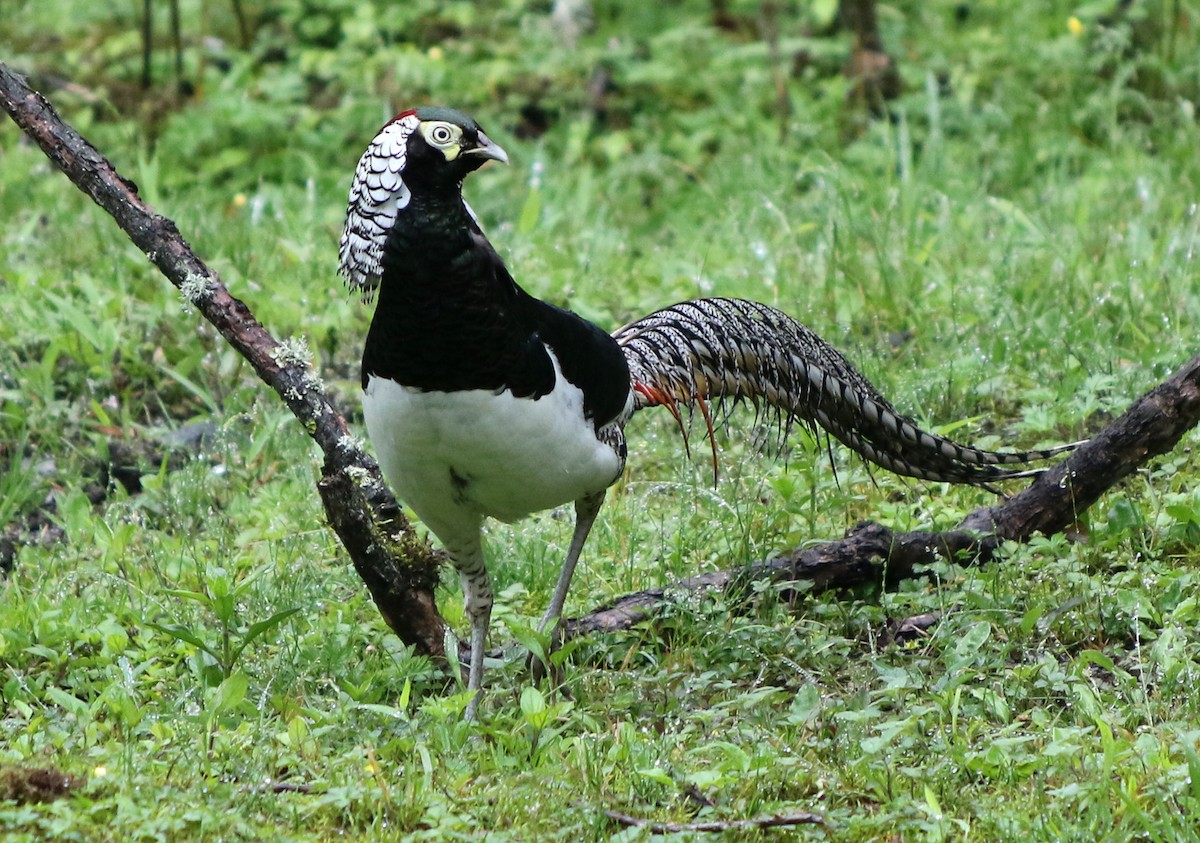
(399, 568)
(1152, 426)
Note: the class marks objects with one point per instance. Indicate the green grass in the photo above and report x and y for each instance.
(1010, 258)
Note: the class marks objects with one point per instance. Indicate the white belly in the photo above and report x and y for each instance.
(455, 457)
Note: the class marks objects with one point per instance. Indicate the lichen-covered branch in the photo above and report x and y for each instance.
(400, 572)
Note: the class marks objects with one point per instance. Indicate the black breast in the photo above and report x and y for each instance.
(451, 318)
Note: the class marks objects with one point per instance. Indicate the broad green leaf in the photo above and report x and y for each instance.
(230, 693)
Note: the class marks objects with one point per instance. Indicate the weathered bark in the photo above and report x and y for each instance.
(1152, 426)
(400, 570)
(869, 553)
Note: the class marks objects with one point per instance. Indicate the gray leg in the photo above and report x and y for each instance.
(586, 510)
(477, 599)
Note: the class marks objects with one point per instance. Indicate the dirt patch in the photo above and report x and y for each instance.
(25, 785)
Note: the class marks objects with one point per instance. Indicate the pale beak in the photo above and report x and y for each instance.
(488, 149)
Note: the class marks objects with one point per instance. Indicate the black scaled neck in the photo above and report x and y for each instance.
(431, 234)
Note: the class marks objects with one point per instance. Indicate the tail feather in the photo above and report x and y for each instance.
(728, 351)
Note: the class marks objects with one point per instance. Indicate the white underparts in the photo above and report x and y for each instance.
(457, 457)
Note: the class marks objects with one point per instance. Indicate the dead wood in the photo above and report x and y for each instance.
(399, 568)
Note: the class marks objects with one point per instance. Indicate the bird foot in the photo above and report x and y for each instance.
(533, 651)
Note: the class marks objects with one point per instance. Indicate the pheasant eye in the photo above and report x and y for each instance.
(441, 134)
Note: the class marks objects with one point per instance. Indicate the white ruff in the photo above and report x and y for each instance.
(377, 195)
(455, 457)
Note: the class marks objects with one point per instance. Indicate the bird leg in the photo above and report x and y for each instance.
(586, 510)
(477, 601)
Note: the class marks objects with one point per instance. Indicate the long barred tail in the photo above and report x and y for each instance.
(721, 352)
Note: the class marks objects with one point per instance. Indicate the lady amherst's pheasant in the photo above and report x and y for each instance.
(483, 401)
